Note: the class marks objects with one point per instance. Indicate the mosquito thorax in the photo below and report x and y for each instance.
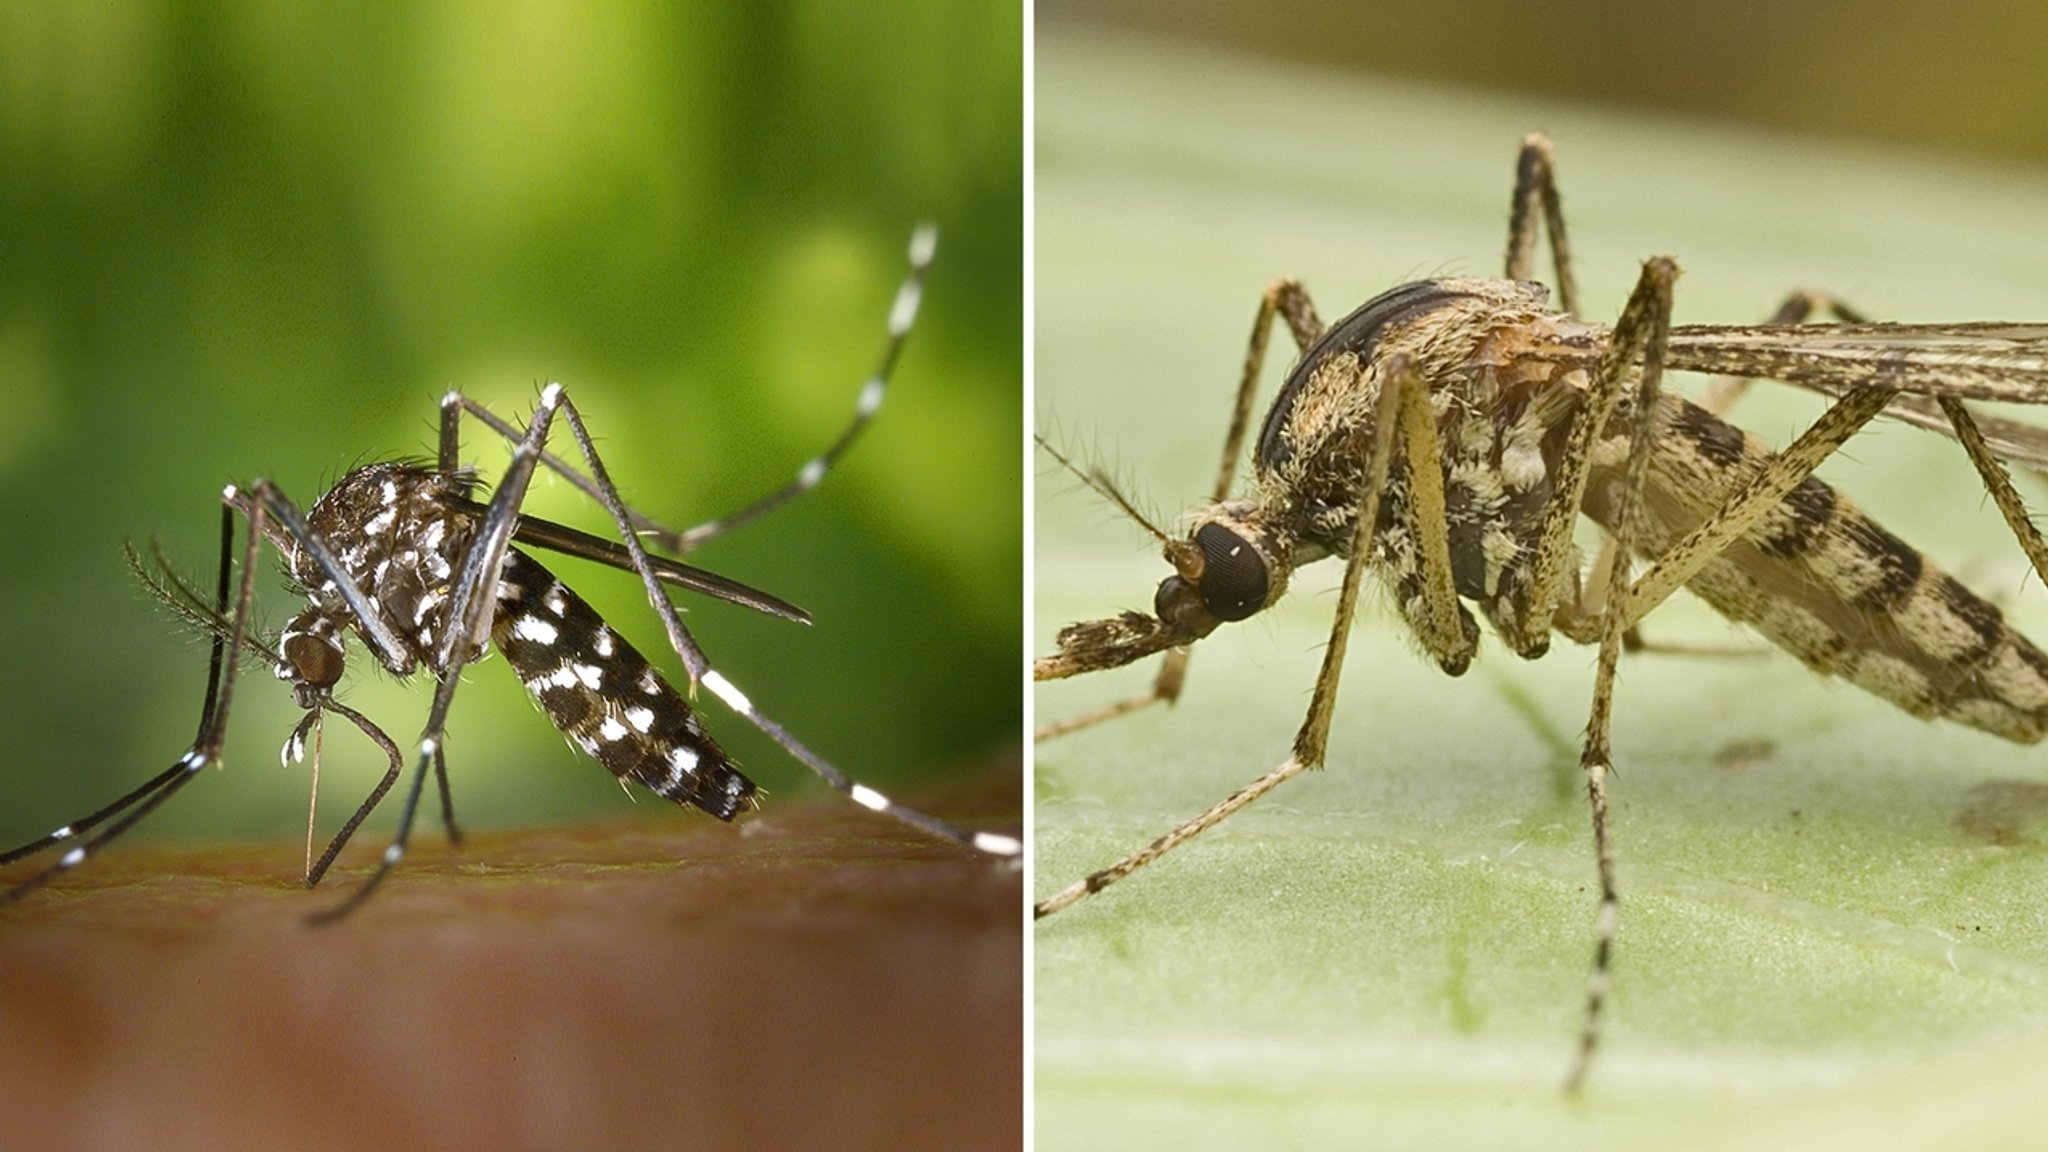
(398, 534)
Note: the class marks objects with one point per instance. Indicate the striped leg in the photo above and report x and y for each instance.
(225, 661)
(701, 671)
(902, 317)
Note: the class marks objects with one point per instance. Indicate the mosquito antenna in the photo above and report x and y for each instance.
(183, 601)
(1099, 481)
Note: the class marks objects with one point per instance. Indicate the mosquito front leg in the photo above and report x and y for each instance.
(1402, 389)
(222, 666)
(1445, 628)
(1284, 300)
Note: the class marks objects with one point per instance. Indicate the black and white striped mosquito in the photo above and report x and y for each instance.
(400, 555)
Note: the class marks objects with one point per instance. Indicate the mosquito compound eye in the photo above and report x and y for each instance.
(1234, 578)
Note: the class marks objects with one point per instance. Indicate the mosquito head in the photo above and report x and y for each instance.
(310, 657)
(1223, 571)
(1226, 569)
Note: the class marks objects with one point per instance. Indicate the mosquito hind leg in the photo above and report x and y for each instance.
(1284, 300)
(701, 671)
(1801, 305)
(1720, 395)
(1998, 482)
(902, 317)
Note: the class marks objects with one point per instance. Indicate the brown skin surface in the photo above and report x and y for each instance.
(815, 978)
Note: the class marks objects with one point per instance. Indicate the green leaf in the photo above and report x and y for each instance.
(1831, 911)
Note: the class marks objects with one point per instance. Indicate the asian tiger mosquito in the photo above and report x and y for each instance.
(400, 555)
(1534, 418)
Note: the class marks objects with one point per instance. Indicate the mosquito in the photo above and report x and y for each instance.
(404, 558)
(1448, 434)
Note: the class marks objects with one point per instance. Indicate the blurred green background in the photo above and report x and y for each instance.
(243, 240)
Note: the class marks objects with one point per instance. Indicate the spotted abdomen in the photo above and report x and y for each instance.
(605, 696)
(1828, 584)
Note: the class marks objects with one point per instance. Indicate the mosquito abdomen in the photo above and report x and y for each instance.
(1828, 584)
(605, 696)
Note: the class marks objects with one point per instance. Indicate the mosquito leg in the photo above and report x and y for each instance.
(1536, 190)
(1313, 737)
(1529, 636)
(1645, 325)
(222, 665)
(902, 315)
(83, 824)
(1581, 619)
(1803, 303)
(1284, 300)
(1165, 689)
(1674, 568)
(465, 630)
(1786, 470)
(447, 798)
(348, 830)
(1429, 600)
(1997, 482)
(1720, 395)
(700, 671)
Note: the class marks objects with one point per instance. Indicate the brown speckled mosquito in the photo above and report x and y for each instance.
(401, 556)
(1448, 435)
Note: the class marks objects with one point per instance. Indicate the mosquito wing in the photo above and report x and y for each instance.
(1991, 361)
(569, 541)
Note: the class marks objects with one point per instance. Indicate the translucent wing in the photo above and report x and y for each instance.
(1990, 361)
